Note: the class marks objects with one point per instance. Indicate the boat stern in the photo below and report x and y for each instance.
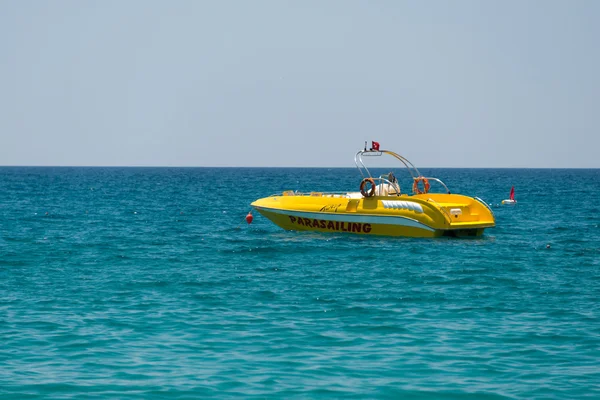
(465, 216)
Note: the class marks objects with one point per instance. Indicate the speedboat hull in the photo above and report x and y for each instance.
(421, 215)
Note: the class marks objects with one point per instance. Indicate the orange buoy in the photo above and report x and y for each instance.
(249, 217)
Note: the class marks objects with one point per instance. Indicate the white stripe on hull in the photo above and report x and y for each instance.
(365, 219)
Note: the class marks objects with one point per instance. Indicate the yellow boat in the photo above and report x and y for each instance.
(380, 208)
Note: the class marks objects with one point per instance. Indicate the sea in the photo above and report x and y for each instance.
(147, 283)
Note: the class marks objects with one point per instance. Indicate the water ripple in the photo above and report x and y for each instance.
(145, 288)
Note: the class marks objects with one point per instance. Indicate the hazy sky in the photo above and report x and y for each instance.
(299, 83)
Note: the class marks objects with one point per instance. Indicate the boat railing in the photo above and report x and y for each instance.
(379, 182)
(364, 171)
(345, 194)
(414, 172)
(486, 205)
(440, 182)
(442, 209)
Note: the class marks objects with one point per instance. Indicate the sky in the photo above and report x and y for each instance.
(482, 84)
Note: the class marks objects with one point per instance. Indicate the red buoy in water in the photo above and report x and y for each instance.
(249, 217)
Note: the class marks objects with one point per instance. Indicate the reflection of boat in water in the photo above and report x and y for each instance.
(380, 208)
(511, 199)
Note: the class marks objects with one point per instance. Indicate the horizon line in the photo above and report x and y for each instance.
(270, 167)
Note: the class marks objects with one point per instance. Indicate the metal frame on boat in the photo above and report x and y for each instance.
(414, 172)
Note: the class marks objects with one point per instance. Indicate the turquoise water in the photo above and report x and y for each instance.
(138, 283)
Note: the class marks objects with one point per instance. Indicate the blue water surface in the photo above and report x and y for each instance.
(148, 283)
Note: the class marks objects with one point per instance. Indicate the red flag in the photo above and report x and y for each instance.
(375, 146)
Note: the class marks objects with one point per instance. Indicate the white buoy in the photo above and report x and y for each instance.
(511, 200)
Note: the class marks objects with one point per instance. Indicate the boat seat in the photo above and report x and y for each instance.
(387, 187)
